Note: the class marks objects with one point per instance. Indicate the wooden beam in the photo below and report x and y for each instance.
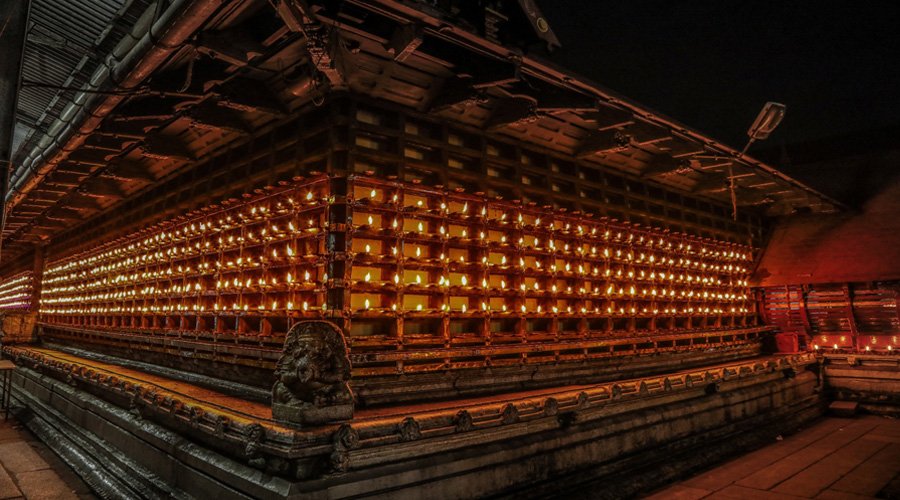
(664, 164)
(487, 73)
(644, 133)
(103, 188)
(851, 318)
(555, 100)
(606, 117)
(160, 147)
(244, 94)
(299, 18)
(33, 237)
(52, 224)
(111, 142)
(67, 179)
(234, 46)
(64, 214)
(295, 14)
(43, 233)
(128, 171)
(80, 201)
(512, 110)
(47, 194)
(602, 142)
(404, 41)
(474, 77)
(710, 183)
(88, 156)
(751, 197)
(152, 108)
(682, 147)
(209, 116)
(77, 168)
(457, 91)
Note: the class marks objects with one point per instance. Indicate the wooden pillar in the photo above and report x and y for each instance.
(337, 246)
(24, 327)
(37, 277)
(854, 332)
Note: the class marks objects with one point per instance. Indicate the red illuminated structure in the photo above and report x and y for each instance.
(420, 280)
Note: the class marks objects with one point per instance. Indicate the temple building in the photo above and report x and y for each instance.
(351, 248)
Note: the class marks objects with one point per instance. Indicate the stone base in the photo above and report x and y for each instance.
(311, 415)
(120, 455)
(458, 384)
(845, 409)
(872, 381)
(17, 327)
(636, 441)
(256, 366)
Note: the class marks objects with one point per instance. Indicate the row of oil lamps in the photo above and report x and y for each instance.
(74, 292)
(265, 226)
(269, 279)
(15, 292)
(501, 216)
(274, 233)
(91, 266)
(242, 263)
(304, 306)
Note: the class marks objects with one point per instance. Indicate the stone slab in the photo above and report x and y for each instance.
(869, 477)
(28, 469)
(841, 495)
(819, 476)
(834, 459)
(44, 485)
(680, 492)
(768, 477)
(8, 433)
(741, 467)
(19, 457)
(843, 408)
(736, 492)
(8, 488)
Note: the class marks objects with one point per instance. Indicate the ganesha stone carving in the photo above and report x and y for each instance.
(311, 376)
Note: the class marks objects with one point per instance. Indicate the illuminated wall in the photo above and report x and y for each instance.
(15, 292)
(830, 317)
(407, 264)
(244, 268)
(424, 255)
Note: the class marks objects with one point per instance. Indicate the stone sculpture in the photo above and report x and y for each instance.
(311, 376)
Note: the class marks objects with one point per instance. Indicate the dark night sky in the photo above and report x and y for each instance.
(712, 64)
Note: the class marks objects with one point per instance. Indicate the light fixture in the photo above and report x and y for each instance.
(766, 121)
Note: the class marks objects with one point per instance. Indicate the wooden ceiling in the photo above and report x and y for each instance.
(252, 63)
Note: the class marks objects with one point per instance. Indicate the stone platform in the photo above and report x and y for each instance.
(836, 458)
(160, 437)
(872, 381)
(30, 471)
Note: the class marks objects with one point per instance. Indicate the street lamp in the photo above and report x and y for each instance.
(768, 119)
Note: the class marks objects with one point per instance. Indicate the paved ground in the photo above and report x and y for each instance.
(835, 458)
(29, 470)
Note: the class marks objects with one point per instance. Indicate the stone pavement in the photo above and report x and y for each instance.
(29, 470)
(836, 458)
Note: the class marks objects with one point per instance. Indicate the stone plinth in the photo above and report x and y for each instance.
(18, 327)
